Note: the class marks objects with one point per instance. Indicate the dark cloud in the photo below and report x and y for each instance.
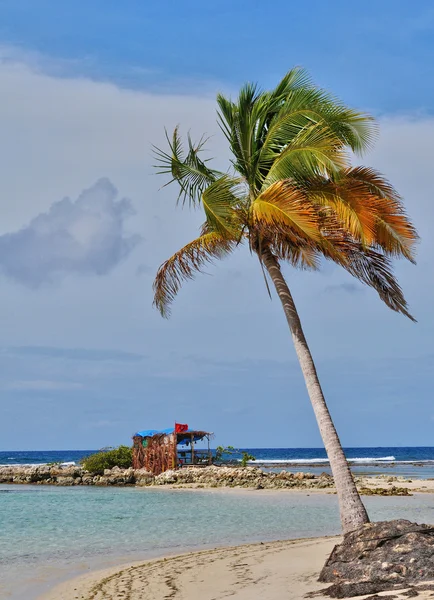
(84, 236)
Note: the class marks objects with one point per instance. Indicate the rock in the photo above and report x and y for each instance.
(212, 476)
(392, 491)
(379, 557)
(377, 597)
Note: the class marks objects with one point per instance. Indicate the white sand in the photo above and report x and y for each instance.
(269, 571)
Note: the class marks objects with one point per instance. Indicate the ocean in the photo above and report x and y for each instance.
(416, 462)
(52, 533)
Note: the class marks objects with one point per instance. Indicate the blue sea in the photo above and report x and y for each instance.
(416, 462)
(48, 533)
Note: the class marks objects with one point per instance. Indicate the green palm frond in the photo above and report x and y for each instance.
(220, 204)
(307, 106)
(186, 168)
(184, 264)
(314, 152)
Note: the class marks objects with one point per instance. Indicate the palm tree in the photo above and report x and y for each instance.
(292, 195)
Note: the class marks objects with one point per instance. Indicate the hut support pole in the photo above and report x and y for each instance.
(192, 449)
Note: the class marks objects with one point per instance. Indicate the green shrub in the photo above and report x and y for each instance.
(246, 457)
(107, 458)
(221, 452)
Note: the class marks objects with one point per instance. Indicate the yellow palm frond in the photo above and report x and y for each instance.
(394, 232)
(368, 208)
(284, 207)
(185, 263)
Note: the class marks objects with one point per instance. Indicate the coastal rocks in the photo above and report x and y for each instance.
(247, 477)
(210, 477)
(380, 556)
(392, 491)
(189, 477)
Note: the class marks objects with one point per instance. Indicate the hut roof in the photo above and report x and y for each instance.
(181, 436)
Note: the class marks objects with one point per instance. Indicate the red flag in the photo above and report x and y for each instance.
(180, 428)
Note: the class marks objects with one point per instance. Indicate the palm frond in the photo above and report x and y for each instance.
(294, 79)
(184, 264)
(315, 151)
(239, 122)
(369, 208)
(305, 256)
(186, 168)
(375, 270)
(284, 207)
(221, 206)
(394, 232)
(307, 106)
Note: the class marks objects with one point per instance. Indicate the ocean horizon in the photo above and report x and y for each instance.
(406, 461)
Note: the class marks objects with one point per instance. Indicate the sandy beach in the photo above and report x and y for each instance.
(270, 571)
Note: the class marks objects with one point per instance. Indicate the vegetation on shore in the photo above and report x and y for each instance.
(107, 458)
(227, 451)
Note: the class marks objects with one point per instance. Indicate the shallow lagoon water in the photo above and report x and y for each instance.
(49, 533)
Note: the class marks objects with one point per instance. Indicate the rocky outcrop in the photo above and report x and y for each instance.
(380, 556)
(189, 477)
(380, 491)
(248, 477)
(213, 476)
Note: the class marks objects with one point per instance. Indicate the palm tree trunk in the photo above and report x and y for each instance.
(352, 511)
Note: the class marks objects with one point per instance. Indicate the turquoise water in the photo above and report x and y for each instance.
(49, 533)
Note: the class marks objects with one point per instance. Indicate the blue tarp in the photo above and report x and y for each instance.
(151, 432)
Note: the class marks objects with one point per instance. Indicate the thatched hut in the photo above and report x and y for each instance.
(173, 448)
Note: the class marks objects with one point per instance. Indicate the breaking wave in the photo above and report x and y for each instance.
(304, 461)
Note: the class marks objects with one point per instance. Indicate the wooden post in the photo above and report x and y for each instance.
(192, 449)
(209, 452)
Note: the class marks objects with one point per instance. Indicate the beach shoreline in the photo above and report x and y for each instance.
(131, 579)
(269, 570)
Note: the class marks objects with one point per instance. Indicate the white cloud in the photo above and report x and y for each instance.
(60, 135)
(82, 236)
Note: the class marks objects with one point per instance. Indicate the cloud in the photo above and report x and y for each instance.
(83, 129)
(84, 236)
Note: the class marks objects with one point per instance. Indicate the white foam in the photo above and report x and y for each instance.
(63, 464)
(303, 461)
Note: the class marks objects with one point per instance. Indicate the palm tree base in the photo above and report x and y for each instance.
(383, 556)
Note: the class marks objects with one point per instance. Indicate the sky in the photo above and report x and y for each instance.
(85, 360)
